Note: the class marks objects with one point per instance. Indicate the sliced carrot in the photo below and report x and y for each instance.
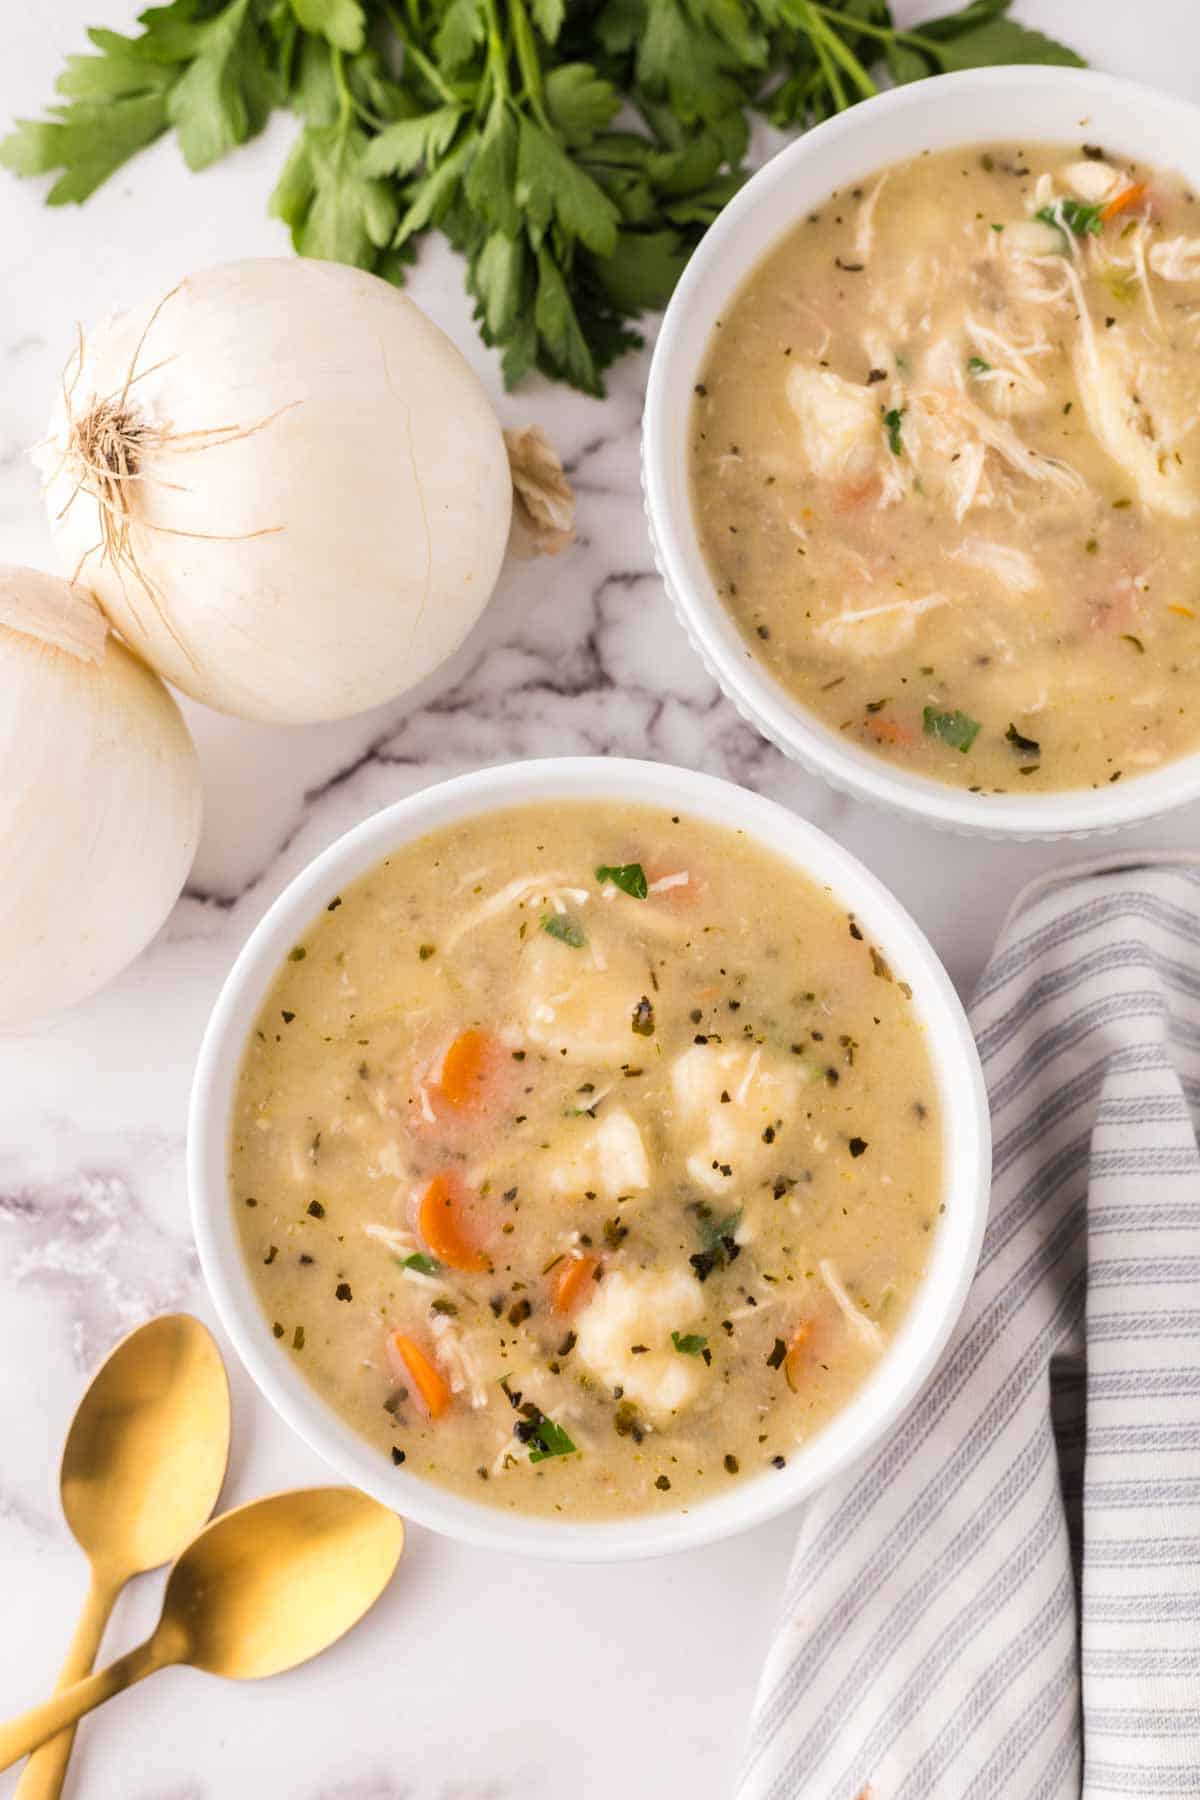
(439, 1220)
(796, 1352)
(570, 1280)
(411, 1361)
(889, 731)
(465, 1069)
(1123, 201)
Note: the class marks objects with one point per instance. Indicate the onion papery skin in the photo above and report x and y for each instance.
(321, 499)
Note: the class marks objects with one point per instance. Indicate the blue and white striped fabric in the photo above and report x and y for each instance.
(1004, 1599)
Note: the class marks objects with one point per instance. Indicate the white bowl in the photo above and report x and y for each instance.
(953, 1253)
(1014, 105)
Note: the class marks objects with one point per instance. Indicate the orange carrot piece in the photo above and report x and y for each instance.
(1121, 202)
(440, 1223)
(570, 1280)
(410, 1360)
(465, 1069)
(795, 1353)
(889, 731)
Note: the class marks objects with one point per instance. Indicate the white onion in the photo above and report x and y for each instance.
(100, 803)
(285, 486)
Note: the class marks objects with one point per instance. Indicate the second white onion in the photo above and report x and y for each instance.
(100, 803)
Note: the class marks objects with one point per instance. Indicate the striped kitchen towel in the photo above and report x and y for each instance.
(1003, 1599)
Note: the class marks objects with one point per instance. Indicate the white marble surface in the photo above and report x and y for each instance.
(476, 1679)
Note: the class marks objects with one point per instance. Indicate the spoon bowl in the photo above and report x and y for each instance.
(147, 1450)
(275, 1582)
(262, 1588)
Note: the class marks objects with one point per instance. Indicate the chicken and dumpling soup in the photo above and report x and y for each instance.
(946, 470)
(586, 1158)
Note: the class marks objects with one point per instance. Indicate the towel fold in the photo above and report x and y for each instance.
(1003, 1599)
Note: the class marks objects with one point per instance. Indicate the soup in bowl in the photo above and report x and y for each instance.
(588, 1157)
(935, 520)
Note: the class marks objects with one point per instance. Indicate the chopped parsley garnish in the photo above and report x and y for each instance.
(857, 1145)
(778, 1352)
(977, 366)
(689, 1344)
(547, 1440)
(424, 1265)
(629, 877)
(1024, 746)
(1074, 215)
(892, 420)
(953, 728)
(643, 1017)
(564, 929)
(720, 1245)
(298, 954)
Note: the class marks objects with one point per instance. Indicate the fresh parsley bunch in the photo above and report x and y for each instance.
(574, 151)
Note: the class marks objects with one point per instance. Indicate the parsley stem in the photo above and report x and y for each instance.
(886, 34)
(841, 51)
(497, 56)
(419, 61)
(345, 97)
(528, 61)
(817, 33)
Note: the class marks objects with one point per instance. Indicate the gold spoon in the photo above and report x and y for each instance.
(262, 1588)
(143, 1465)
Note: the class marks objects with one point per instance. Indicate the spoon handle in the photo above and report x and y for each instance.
(24, 1733)
(43, 1775)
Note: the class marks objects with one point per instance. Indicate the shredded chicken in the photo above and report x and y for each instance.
(865, 1328)
(877, 630)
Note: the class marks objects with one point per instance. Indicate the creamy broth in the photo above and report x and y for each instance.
(585, 1158)
(944, 466)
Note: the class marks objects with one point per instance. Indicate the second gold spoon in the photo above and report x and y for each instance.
(143, 1466)
(263, 1588)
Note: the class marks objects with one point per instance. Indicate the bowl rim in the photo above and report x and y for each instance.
(761, 700)
(965, 1187)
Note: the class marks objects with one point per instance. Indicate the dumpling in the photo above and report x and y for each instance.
(608, 1159)
(725, 1098)
(643, 1310)
(575, 1000)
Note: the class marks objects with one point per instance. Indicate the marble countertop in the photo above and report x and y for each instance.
(476, 1678)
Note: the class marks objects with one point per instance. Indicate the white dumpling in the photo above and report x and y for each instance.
(607, 1159)
(643, 1309)
(724, 1135)
(580, 1001)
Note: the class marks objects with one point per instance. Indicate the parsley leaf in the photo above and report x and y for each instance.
(953, 728)
(690, 1345)
(892, 420)
(424, 1265)
(556, 925)
(226, 93)
(629, 877)
(1024, 746)
(547, 1440)
(1071, 215)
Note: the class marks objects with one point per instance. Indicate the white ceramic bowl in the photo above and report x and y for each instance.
(1019, 105)
(953, 1253)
